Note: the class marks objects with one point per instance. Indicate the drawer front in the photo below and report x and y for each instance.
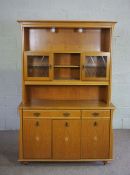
(52, 113)
(95, 113)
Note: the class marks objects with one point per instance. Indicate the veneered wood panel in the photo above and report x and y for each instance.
(65, 39)
(52, 113)
(67, 92)
(36, 138)
(105, 40)
(67, 59)
(66, 139)
(95, 139)
(95, 113)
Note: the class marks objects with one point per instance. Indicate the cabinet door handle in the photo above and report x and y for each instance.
(83, 66)
(95, 123)
(66, 124)
(50, 66)
(36, 114)
(66, 114)
(95, 114)
(37, 123)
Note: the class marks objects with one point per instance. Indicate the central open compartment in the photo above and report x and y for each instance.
(67, 93)
(67, 66)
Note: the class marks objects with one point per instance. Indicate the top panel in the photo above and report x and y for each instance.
(91, 24)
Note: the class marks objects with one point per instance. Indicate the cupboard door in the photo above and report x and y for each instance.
(37, 138)
(95, 138)
(38, 66)
(95, 66)
(66, 139)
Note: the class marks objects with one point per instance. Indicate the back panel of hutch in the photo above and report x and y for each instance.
(66, 111)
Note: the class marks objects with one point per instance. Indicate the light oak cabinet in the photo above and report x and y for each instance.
(66, 111)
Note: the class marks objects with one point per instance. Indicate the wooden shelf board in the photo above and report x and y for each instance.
(66, 82)
(67, 104)
(63, 160)
(68, 51)
(66, 66)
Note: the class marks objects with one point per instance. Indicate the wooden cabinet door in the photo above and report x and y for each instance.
(66, 139)
(38, 66)
(37, 138)
(95, 66)
(95, 138)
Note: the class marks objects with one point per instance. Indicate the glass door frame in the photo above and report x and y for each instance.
(50, 66)
(83, 55)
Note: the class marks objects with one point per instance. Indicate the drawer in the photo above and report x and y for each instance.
(95, 113)
(52, 113)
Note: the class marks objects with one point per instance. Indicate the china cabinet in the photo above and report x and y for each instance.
(66, 111)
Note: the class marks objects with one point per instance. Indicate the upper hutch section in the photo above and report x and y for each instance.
(66, 53)
(67, 36)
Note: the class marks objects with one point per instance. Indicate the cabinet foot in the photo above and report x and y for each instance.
(25, 163)
(105, 162)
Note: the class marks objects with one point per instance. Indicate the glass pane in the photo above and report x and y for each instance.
(38, 66)
(95, 66)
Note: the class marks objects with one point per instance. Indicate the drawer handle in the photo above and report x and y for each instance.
(95, 124)
(66, 124)
(37, 123)
(36, 114)
(66, 114)
(95, 114)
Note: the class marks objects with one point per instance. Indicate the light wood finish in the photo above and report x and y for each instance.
(36, 138)
(66, 114)
(67, 24)
(66, 139)
(67, 104)
(21, 133)
(68, 92)
(111, 136)
(41, 39)
(60, 114)
(95, 113)
(67, 82)
(65, 160)
(95, 138)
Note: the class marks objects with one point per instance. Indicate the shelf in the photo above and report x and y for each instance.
(69, 79)
(66, 66)
(66, 82)
(67, 104)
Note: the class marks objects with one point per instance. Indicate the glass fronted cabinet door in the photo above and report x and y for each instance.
(95, 66)
(38, 66)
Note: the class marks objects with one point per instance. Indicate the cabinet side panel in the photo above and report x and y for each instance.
(21, 134)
